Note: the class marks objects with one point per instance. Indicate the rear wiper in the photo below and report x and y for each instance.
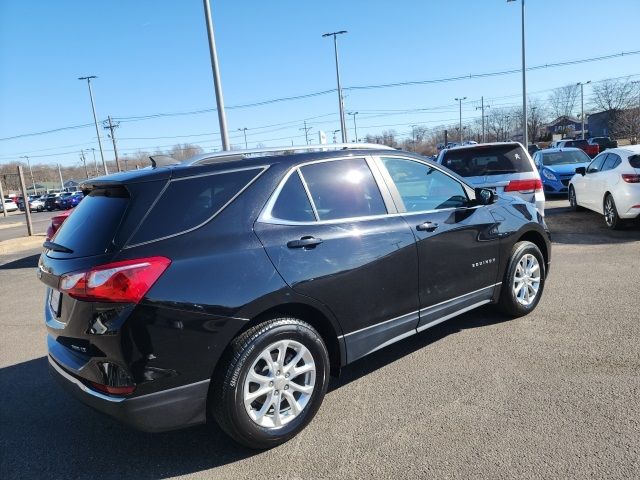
(56, 247)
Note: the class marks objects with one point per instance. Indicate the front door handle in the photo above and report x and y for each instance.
(427, 227)
(304, 242)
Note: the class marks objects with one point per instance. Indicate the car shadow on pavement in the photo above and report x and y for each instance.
(47, 434)
(481, 317)
(26, 262)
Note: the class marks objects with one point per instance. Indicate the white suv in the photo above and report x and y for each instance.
(505, 167)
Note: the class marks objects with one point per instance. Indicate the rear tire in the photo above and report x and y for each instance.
(611, 218)
(523, 281)
(290, 399)
(573, 200)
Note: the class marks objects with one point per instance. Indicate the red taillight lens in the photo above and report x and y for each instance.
(113, 390)
(127, 281)
(631, 178)
(523, 185)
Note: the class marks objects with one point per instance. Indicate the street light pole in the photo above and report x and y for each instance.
(582, 84)
(355, 125)
(482, 107)
(343, 126)
(244, 130)
(31, 174)
(222, 118)
(459, 100)
(525, 133)
(95, 120)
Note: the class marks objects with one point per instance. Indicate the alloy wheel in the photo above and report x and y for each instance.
(609, 211)
(279, 384)
(526, 280)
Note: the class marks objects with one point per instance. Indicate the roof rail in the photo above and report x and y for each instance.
(256, 152)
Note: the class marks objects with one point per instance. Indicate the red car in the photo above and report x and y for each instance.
(56, 222)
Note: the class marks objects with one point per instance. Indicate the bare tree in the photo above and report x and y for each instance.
(563, 102)
(628, 124)
(612, 95)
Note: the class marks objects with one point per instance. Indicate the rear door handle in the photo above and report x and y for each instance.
(304, 242)
(427, 227)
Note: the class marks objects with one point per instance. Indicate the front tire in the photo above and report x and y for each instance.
(573, 201)
(611, 218)
(523, 281)
(271, 382)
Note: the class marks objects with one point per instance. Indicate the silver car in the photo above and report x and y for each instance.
(505, 167)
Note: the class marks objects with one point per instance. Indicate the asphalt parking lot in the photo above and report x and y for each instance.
(555, 394)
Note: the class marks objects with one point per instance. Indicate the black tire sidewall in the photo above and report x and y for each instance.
(617, 221)
(508, 298)
(245, 429)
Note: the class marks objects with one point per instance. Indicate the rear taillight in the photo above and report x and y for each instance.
(524, 185)
(113, 390)
(127, 281)
(631, 178)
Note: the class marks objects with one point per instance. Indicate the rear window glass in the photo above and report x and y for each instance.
(91, 227)
(190, 202)
(343, 189)
(292, 203)
(634, 161)
(487, 160)
(559, 158)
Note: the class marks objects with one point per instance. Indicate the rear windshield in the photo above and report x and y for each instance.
(634, 161)
(93, 223)
(559, 158)
(188, 203)
(487, 160)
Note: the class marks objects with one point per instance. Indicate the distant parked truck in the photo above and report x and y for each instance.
(590, 149)
(603, 142)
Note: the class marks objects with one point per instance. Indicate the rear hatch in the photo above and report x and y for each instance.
(504, 168)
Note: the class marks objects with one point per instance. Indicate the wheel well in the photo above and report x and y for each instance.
(313, 317)
(537, 238)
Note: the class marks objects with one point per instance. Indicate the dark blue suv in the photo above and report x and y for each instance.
(276, 269)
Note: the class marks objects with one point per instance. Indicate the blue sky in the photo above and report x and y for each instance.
(152, 57)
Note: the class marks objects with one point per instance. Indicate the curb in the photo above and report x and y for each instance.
(19, 244)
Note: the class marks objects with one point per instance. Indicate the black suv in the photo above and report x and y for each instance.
(273, 271)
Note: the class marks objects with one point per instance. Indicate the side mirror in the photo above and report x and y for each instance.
(581, 170)
(485, 196)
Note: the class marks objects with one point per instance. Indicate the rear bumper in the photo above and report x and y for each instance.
(156, 412)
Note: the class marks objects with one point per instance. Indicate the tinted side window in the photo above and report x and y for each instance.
(293, 203)
(423, 187)
(596, 165)
(611, 162)
(189, 202)
(343, 189)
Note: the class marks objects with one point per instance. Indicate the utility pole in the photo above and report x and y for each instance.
(84, 161)
(95, 162)
(334, 136)
(95, 120)
(355, 126)
(61, 181)
(459, 100)
(581, 85)
(109, 125)
(27, 210)
(482, 107)
(525, 133)
(343, 125)
(244, 130)
(222, 118)
(306, 131)
(445, 138)
(33, 183)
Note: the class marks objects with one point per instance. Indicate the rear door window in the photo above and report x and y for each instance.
(487, 160)
(634, 161)
(343, 189)
(423, 188)
(611, 162)
(293, 203)
(189, 202)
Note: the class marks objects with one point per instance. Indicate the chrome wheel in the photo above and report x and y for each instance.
(609, 211)
(279, 384)
(526, 280)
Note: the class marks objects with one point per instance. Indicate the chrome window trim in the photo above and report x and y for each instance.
(266, 216)
(262, 168)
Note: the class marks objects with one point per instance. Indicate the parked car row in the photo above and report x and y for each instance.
(52, 201)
